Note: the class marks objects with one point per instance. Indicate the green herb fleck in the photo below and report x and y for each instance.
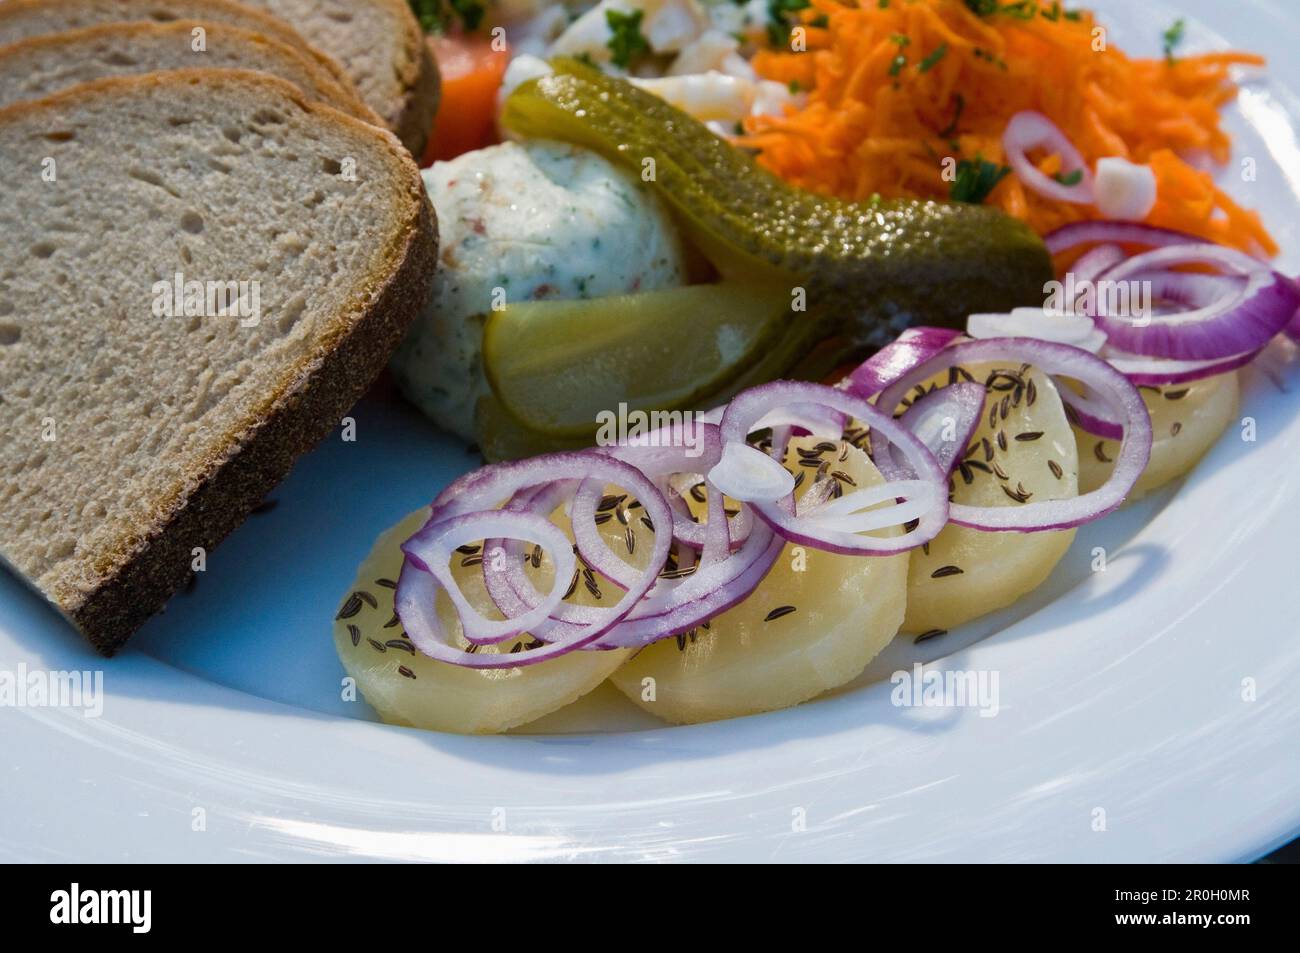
(470, 12)
(975, 179)
(898, 62)
(1069, 178)
(1171, 38)
(1024, 10)
(625, 42)
(428, 12)
(959, 103)
(935, 56)
(436, 16)
(1056, 12)
(780, 16)
(1021, 9)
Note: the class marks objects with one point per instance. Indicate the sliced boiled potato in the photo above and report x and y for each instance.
(407, 688)
(811, 625)
(1024, 451)
(1186, 420)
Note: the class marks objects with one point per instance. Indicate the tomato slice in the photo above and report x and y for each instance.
(471, 76)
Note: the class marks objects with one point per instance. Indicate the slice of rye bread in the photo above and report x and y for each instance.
(20, 19)
(382, 47)
(132, 438)
(41, 65)
(379, 42)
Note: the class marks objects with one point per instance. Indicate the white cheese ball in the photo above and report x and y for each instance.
(525, 222)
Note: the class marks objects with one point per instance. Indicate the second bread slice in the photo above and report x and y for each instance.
(40, 65)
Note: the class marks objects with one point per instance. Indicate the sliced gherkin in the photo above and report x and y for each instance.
(871, 269)
(555, 366)
(502, 437)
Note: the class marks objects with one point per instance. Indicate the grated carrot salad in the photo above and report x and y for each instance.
(895, 86)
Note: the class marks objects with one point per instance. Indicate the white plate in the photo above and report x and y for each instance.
(223, 735)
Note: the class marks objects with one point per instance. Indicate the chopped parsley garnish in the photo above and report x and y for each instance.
(1021, 9)
(990, 57)
(470, 12)
(898, 62)
(426, 11)
(780, 19)
(1024, 10)
(1055, 12)
(1069, 178)
(975, 179)
(959, 103)
(935, 56)
(436, 16)
(625, 42)
(1171, 38)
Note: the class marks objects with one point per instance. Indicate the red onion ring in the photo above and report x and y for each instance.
(1090, 416)
(1292, 330)
(1157, 372)
(658, 460)
(752, 405)
(1032, 130)
(505, 588)
(1191, 289)
(668, 608)
(1236, 322)
(897, 358)
(1124, 233)
(1061, 360)
(432, 547)
(416, 607)
(957, 408)
(749, 475)
(470, 502)
(1093, 263)
(709, 591)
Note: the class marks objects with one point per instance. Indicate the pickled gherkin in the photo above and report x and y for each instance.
(871, 269)
(555, 365)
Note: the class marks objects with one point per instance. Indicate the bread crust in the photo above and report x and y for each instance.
(421, 81)
(216, 495)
